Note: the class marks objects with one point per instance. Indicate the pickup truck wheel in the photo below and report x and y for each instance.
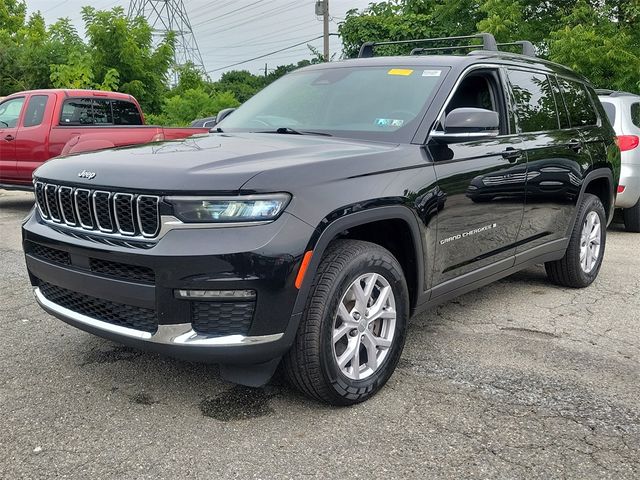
(632, 218)
(353, 329)
(582, 261)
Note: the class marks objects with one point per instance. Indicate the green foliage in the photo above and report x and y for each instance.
(182, 109)
(598, 38)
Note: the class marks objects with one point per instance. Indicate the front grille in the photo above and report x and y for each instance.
(122, 271)
(124, 214)
(128, 316)
(47, 253)
(220, 319)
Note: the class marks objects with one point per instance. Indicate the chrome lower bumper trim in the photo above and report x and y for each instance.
(180, 334)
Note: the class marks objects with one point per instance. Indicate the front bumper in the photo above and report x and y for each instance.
(630, 179)
(202, 259)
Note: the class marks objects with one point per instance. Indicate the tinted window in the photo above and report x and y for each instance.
(102, 112)
(35, 110)
(578, 101)
(126, 113)
(535, 104)
(635, 114)
(77, 112)
(10, 112)
(610, 110)
(560, 106)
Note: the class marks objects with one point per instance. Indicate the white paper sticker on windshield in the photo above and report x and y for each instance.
(431, 73)
(389, 122)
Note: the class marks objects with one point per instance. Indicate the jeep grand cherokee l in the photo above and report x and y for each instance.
(326, 211)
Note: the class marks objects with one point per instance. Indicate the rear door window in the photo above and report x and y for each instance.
(534, 101)
(635, 114)
(581, 110)
(35, 110)
(10, 112)
(126, 113)
(76, 112)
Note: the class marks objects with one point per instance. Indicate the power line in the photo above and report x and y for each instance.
(268, 54)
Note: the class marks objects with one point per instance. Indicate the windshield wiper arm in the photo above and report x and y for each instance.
(5, 123)
(292, 131)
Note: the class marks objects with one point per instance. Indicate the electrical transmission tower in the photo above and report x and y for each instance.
(166, 16)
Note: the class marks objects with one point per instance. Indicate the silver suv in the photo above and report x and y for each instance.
(623, 110)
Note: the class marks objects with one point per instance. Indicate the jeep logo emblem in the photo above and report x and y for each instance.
(87, 175)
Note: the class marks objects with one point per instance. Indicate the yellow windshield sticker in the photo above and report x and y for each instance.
(405, 72)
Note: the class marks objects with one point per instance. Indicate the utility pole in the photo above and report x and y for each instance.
(325, 20)
(322, 9)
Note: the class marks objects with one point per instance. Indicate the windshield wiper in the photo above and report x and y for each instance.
(5, 123)
(292, 131)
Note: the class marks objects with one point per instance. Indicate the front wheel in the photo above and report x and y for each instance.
(353, 329)
(582, 261)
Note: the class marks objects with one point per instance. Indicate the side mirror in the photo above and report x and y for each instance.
(222, 114)
(467, 124)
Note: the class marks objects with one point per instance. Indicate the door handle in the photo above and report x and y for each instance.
(575, 145)
(9, 138)
(511, 154)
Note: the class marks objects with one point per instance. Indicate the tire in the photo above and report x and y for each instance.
(570, 271)
(632, 218)
(312, 363)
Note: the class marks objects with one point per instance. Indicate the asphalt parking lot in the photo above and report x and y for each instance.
(520, 379)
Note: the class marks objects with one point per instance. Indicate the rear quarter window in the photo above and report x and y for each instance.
(581, 109)
(610, 110)
(635, 114)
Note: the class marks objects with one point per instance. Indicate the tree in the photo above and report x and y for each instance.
(598, 38)
(182, 109)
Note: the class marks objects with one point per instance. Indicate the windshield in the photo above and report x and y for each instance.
(376, 103)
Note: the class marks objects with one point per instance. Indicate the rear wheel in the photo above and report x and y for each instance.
(582, 261)
(353, 329)
(632, 218)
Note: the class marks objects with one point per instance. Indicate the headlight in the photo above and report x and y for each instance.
(249, 208)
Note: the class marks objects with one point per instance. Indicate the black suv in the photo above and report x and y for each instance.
(327, 210)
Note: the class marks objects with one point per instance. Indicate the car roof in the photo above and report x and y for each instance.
(73, 93)
(455, 61)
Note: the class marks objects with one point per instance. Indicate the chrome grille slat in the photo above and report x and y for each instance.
(65, 199)
(51, 197)
(148, 215)
(124, 213)
(115, 214)
(41, 200)
(102, 210)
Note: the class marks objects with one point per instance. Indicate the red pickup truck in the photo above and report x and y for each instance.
(41, 124)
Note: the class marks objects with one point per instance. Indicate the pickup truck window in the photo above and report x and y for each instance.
(102, 114)
(84, 111)
(35, 110)
(126, 113)
(536, 107)
(10, 112)
(78, 111)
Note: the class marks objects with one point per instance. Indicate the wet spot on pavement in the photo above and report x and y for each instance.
(116, 354)
(143, 399)
(239, 403)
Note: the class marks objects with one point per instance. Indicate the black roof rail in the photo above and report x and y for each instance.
(527, 47)
(488, 43)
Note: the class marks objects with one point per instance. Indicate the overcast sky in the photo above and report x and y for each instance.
(227, 36)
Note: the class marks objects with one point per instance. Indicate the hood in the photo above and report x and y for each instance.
(220, 163)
